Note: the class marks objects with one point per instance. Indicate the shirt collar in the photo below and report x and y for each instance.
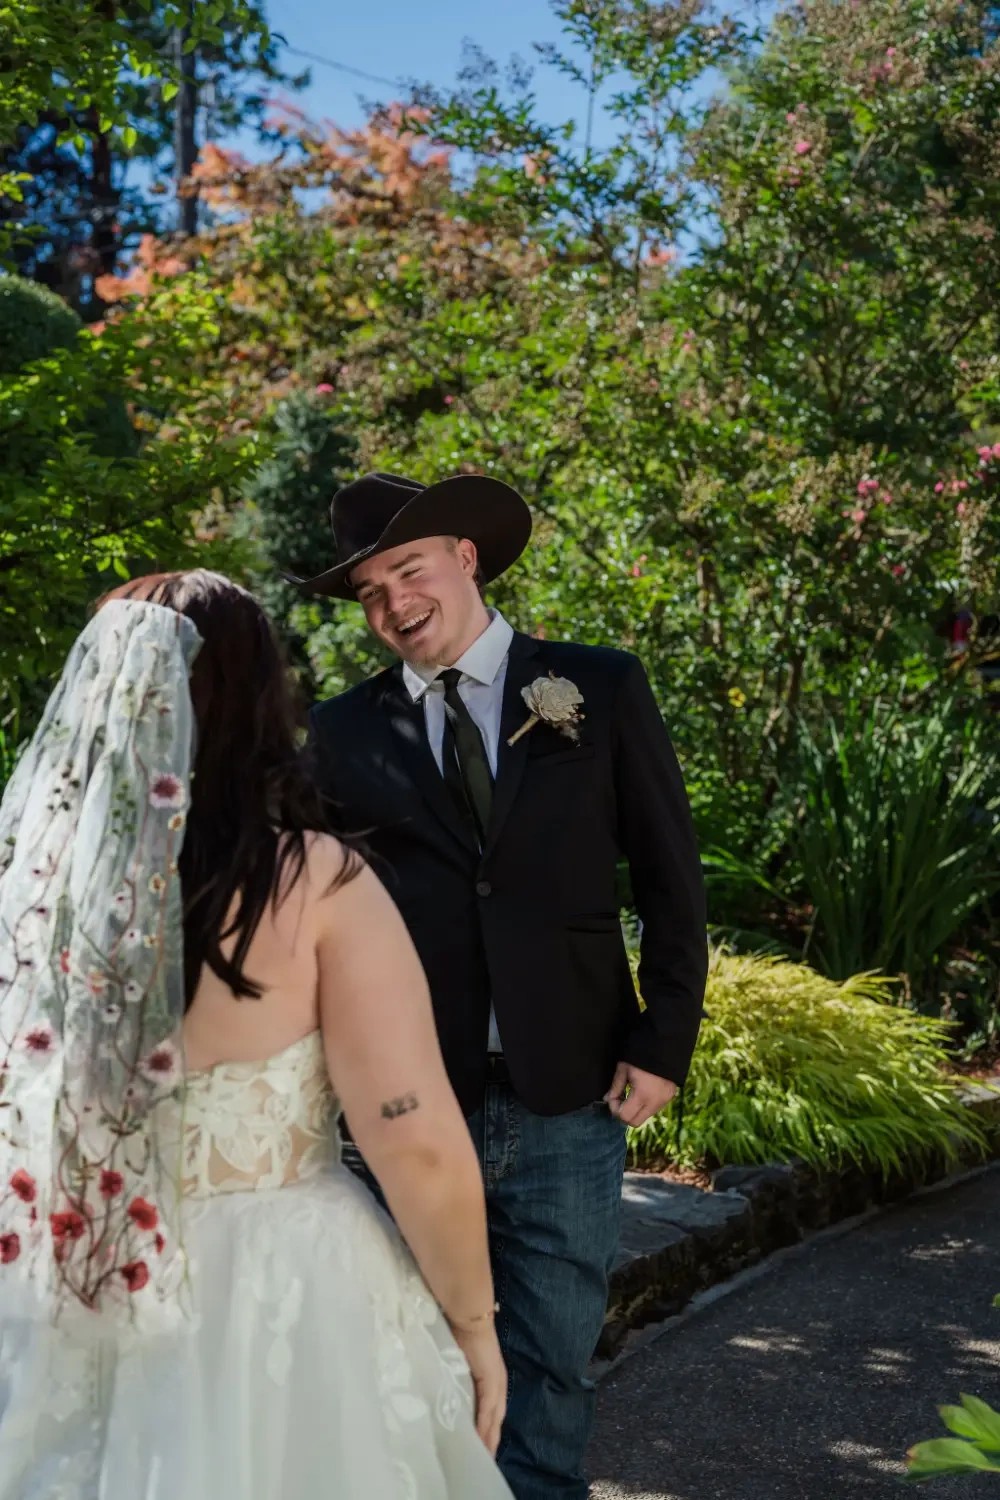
(482, 661)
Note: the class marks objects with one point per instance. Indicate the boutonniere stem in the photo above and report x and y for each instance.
(554, 701)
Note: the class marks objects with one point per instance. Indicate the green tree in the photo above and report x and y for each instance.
(182, 70)
(75, 515)
(285, 510)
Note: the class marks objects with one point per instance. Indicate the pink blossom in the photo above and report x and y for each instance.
(939, 488)
(996, 450)
(898, 569)
(858, 515)
(324, 388)
(961, 508)
(802, 148)
(166, 790)
(986, 452)
(661, 255)
(791, 118)
(449, 400)
(163, 1065)
(40, 1040)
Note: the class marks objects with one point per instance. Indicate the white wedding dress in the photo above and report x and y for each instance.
(315, 1365)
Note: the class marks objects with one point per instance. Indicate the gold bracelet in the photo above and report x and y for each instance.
(483, 1317)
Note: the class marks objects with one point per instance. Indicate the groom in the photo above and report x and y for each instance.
(498, 827)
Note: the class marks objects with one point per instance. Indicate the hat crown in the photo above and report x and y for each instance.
(361, 511)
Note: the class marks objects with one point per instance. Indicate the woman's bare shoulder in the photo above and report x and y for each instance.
(330, 865)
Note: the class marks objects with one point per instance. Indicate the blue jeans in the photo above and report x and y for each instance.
(553, 1202)
(553, 1199)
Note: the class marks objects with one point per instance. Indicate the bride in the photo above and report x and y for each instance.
(197, 1302)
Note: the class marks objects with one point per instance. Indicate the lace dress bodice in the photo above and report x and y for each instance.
(251, 1127)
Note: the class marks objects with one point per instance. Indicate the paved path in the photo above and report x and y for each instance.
(810, 1383)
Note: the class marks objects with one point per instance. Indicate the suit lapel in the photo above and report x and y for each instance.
(522, 668)
(409, 734)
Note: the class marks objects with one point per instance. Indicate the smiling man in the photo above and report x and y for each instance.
(499, 781)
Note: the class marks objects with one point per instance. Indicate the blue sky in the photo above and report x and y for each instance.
(400, 39)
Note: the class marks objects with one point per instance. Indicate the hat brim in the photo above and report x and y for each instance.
(487, 511)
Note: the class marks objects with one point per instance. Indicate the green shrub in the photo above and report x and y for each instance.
(894, 837)
(791, 1064)
(34, 323)
(880, 850)
(284, 517)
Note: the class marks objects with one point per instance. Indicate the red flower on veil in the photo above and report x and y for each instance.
(24, 1186)
(143, 1214)
(69, 1225)
(135, 1275)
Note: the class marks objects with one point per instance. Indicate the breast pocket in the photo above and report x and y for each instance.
(578, 754)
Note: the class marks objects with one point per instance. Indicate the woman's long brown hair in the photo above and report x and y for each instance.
(252, 800)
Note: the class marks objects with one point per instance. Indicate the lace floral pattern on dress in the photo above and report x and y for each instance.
(252, 1127)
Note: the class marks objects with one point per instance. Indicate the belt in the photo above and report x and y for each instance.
(497, 1070)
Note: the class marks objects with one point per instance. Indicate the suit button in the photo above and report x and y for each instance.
(483, 888)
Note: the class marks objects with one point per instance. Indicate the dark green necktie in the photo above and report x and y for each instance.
(465, 763)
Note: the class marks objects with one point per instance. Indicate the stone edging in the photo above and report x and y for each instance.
(678, 1240)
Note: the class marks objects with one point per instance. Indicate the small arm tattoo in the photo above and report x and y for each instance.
(405, 1105)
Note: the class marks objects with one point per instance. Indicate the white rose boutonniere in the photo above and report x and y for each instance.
(552, 700)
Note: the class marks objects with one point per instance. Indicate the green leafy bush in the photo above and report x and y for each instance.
(894, 836)
(792, 1064)
(34, 324)
(884, 835)
(284, 516)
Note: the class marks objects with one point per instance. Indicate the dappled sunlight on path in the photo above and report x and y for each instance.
(811, 1383)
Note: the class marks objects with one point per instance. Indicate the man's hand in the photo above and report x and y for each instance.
(635, 1097)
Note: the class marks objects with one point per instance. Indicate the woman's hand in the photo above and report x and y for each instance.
(481, 1348)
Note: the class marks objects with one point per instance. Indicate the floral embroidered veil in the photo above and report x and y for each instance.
(92, 978)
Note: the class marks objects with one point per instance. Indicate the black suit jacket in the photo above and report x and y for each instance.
(531, 921)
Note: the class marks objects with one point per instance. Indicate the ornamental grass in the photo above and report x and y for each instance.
(791, 1064)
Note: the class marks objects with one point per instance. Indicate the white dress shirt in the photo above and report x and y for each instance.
(484, 671)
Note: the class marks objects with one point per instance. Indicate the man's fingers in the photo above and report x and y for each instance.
(642, 1104)
(634, 1110)
(613, 1098)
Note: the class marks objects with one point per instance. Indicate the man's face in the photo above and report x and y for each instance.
(421, 599)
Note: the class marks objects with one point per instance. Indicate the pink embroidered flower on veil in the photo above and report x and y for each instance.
(166, 790)
(40, 1041)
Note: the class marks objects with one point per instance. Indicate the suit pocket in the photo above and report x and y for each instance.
(602, 923)
(577, 753)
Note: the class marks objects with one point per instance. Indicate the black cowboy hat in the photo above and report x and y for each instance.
(379, 511)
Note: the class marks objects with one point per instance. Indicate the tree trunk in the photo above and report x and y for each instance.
(104, 196)
(185, 144)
